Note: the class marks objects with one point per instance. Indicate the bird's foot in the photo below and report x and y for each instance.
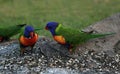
(31, 52)
(70, 50)
(22, 50)
(21, 54)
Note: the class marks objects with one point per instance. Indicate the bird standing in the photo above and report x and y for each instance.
(9, 31)
(70, 37)
(27, 38)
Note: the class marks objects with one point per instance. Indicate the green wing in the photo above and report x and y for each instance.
(75, 37)
(10, 30)
(72, 36)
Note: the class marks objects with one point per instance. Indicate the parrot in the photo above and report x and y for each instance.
(70, 37)
(27, 38)
(9, 31)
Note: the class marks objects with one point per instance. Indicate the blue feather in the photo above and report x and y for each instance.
(52, 26)
(27, 31)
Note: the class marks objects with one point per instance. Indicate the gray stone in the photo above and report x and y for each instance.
(117, 47)
(107, 25)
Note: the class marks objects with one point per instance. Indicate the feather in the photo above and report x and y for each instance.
(10, 31)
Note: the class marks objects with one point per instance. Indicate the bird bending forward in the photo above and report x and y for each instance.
(27, 38)
(70, 37)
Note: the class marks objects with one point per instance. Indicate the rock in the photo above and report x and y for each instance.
(50, 48)
(117, 47)
(108, 25)
(59, 71)
(23, 70)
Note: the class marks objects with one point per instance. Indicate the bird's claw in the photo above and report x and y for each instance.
(21, 54)
(71, 51)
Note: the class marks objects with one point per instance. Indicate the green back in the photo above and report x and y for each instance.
(10, 30)
(71, 35)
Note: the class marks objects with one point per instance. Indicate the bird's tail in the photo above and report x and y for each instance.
(37, 29)
(102, 35)
(21, 25)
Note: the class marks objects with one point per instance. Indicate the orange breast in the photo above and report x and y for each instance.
(1, 39)
(59, 39)
(28, 41)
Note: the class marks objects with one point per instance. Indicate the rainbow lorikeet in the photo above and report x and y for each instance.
(70, 37)
(9, 31)
(28, 38)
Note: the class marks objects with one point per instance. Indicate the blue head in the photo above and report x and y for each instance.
(29, 32)
(51, 26)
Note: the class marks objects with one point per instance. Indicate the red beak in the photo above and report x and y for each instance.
(32, 34)
(46, 28)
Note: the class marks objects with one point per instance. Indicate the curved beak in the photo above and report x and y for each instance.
(31, 34)
(46, 28)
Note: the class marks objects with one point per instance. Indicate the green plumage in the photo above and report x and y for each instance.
(74, 37)
(10, 31)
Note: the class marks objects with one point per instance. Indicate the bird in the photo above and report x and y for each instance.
(27, 38)
(7, 32)
(70, 37)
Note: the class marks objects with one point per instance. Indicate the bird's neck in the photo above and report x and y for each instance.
(58, 27)
(27, 35)
(53, 32)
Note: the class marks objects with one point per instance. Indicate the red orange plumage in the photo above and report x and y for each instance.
(59, 39)
(29, 38)
(28, 41)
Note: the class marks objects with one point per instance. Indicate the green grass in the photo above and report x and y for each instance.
(73, 13)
